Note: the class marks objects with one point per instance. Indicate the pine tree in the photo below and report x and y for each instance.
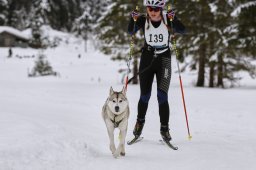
(83, 24)
(246, 39)
(231, 59)
(221, 11)
(12, 17)
(62, 13)
(246, 26)
(114, 36)
(93, 10)
(96, 9)
(18, 13)
(36, 24)
(197, 18)
(42, 67)
(3, 12)
(214, 41)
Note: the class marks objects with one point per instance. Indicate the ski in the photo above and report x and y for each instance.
(134, 140)
(138, 139)
(169, 144)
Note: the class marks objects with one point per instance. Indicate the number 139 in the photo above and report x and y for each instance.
(156, 38)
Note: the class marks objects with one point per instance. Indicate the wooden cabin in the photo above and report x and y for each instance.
(11, 37)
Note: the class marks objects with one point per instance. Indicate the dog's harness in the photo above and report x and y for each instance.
(116, 124)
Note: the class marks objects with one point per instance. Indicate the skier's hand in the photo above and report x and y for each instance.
(135, 14)
(171, 14)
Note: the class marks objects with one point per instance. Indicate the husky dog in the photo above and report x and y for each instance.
(115, 113)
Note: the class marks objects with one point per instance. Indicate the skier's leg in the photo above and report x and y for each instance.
(146, 80)
(163, 82)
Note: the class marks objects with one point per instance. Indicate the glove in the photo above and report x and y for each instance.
(135, 14)
(171, 14)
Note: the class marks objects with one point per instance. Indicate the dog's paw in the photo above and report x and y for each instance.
(122, 153)
(115, 155)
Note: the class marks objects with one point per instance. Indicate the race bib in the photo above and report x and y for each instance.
(157, 37)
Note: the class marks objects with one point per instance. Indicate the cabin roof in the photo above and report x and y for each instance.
(14, 32)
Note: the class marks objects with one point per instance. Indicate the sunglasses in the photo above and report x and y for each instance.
(155, 9)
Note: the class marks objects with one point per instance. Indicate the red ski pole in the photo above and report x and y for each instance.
(181, 85)
(183, 99)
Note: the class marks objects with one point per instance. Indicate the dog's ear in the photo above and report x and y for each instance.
(111, 91)
(124, 91)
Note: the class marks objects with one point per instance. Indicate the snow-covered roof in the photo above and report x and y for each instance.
(13, 31)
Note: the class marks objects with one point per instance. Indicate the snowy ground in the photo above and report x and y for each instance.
(55, 123)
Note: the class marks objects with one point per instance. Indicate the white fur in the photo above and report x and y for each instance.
(109, 113)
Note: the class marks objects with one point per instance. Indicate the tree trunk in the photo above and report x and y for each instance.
(201, 71)
(220, 71)
(11, 13)
(212, 73)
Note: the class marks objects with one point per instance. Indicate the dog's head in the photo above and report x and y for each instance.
(117, 101)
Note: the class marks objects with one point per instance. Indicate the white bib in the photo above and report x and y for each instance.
(157, 37)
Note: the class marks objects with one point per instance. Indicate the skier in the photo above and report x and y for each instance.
(10, 53)
(156, 59)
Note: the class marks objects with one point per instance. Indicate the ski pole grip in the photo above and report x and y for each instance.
(169, 9)
(136, 9)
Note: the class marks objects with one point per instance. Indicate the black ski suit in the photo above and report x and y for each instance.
(159, 57)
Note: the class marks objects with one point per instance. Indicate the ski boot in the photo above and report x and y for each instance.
(138, 128)
(137, 132)
(165, 133)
